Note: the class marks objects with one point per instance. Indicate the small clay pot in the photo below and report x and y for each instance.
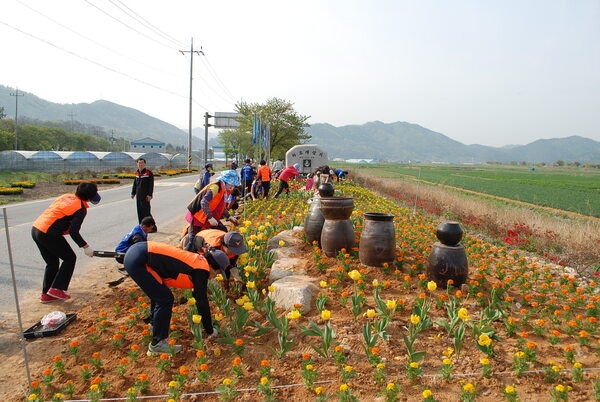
(449, 233)
(326, 190)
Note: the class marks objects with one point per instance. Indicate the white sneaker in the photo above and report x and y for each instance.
(213, 335)
(163, 347)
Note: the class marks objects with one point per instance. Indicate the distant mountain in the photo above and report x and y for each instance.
(406, 142)
(394, 142)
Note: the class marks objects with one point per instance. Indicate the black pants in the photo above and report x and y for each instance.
(283, 186)
(53, 249)
(143, 208)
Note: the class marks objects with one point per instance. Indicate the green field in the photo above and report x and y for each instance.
(569, 189)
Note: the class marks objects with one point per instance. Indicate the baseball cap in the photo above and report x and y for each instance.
(220, 259)
(95, 199)
(234, 241)
(297, 166)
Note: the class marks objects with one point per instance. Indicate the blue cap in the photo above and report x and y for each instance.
(95, 199)
(230, 177)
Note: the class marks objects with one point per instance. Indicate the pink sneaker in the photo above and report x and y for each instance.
(58, 294)
(45, 298)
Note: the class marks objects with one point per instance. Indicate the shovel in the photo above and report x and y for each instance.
(111, 254)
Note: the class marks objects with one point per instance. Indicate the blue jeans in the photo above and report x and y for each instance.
(160, 295)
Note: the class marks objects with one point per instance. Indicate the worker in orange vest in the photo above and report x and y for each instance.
(155, 267)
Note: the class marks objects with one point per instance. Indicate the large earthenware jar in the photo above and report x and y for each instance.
(326, 189)
(313, 223)
(338, 231)
(447, 262)
(377, 240)
(449, 233)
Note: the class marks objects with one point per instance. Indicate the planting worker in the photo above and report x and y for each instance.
(155, 267)
(210, 204)
(231, 243)
(287, 174)
(64, 215)
(137, 234)
(142, 190)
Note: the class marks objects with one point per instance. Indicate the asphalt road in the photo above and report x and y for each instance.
(103, 228)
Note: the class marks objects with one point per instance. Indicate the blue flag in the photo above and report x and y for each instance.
(266, 136)
(256, 130)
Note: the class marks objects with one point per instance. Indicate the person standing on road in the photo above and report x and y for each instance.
(142, 190)
(264, 174)
(205, 178)
(248, 173)
(155, 267)
(287, 174)
(64, 215)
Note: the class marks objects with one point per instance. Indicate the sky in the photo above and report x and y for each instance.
(495, 73)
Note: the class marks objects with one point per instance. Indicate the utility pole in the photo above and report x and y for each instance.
(206, 126)
(71, 116)
(16, 95)
(191, 52)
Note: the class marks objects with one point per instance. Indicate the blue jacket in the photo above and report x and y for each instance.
(129, 239)
(248, 172)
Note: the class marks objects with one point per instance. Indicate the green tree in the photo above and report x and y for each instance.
(286, 126)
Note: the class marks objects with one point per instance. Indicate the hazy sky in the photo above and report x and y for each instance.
(487, 72)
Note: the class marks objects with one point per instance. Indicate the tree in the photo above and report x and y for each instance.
(286, 126)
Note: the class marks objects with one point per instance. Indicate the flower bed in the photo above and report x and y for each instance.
(519, 328)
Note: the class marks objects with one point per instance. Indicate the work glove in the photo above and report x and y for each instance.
(233, 220)
(88, 251)
(213, 221)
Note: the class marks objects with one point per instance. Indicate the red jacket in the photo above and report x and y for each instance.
(288, 173)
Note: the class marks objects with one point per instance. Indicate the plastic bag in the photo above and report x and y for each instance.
(53, 319)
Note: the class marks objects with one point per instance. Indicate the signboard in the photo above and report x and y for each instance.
(226, 119)
(308, 156)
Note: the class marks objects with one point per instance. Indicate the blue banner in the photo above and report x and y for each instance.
(256, 130)
(266, 136)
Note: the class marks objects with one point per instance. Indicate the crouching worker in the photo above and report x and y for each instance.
(155, 267)
(137, 234)
(231, 243)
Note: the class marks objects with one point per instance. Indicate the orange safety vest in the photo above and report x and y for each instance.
(214, 238)
(216, 205)
(63, 207)
(172, 266)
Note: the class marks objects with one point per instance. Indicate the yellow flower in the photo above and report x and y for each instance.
(415, 319)
(348, 369)
(344, 387)
(431, 286)
(271, 289)
(375, 283)
(32, 397)
(294, 314)
(323, 284)
(468, 387)
(391, 304)
(390, 386)
(354, 275)
(448, 352)
(414, 365)
(509, 389)
(196, 319)
(520, 354)
(248, 306)
(319, 390)
(309, 367)
(281, 243)
(191, 301)
(227, 381)
(251, 285)
(447, 361)
(251, 243)
(94, 387)
(560, 388)
(247, 223)
(371, 313)
(218, 317)
(484, 361)
(173, 384)
(463, 314)
(264, 380)
(427, 393)
(219, 277)
(484, 340)
(326, 315)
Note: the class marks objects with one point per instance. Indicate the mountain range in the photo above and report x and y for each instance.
(393, 142)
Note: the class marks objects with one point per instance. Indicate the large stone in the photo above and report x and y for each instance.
(295, 291)
(291, 238)
(286, 267)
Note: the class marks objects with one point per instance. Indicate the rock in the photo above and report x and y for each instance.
(291, 238)
(286, 267)
(295, 290)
